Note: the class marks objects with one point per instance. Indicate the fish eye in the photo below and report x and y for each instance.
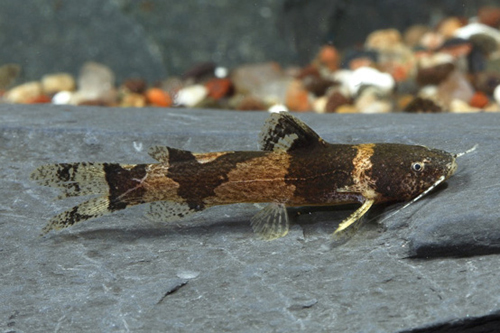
(417, 166)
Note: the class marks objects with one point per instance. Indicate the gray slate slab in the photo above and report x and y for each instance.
(432, 266)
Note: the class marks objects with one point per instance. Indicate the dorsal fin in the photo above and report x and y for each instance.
(167, 155)
(284, 132)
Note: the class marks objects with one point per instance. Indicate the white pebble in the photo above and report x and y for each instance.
(370, 76)
(221, 72)
(496, 94)
(191, 96)
(276, 108)
(62, 98)
(477, 28)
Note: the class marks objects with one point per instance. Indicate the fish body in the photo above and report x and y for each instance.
(294, 168)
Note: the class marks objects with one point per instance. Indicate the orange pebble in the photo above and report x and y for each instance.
(218, 88)
(329, 56)
(297, 97)
(158, 97)
(42, 99)
(479, 100)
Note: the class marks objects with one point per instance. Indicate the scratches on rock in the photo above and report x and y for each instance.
(306, 304)
(173, 289)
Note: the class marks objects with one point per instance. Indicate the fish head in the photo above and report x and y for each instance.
(403, 172)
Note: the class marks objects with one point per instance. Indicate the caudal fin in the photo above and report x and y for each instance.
(118, 187)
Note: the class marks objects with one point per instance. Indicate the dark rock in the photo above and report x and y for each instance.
(110, 274)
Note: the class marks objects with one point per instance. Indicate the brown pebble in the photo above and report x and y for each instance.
(135, 85)
(489, 16)
(200, 71)
(335, 100)
(435, 74)
(422, 105)
(317, 85)
(250, 103)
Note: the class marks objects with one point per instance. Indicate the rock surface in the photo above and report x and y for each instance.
(431, 267)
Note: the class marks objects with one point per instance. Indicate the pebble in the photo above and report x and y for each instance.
(371, 100)
(191, 96)
(335, 100)
(459, 106)
(297, 97)
(319, 104)
(95, 85)
(219, 88)
(135, 85)
(249, 79)
(496, 94)
(346, 108)
(455, 87)
(54, 83)
(489, 16)
(448, 27)
(477, 28)
(329, 58)
(372, 77)
(434, 75)
(413, 35)
(383, 40)
(24, 93)
(8, 74)
(62, 98)
(276, 108)
(431, 40)
(133, 100)
(479, 100)
(158, 97)
(422, 105)
(249, 103)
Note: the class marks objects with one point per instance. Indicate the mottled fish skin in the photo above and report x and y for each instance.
(295, 168)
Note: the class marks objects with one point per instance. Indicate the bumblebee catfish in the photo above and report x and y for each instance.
(294, 168)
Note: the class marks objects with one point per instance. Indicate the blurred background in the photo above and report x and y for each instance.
(153, 39)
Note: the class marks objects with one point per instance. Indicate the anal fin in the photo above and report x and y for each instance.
(271, 222)
(169, 211)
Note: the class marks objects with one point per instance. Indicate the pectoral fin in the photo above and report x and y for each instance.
(358, 214)
(271, 222)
